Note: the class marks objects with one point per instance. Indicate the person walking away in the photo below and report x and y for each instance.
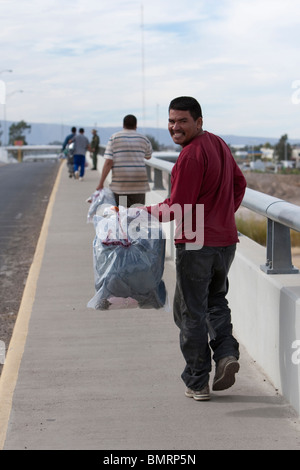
(206, 174)
(95, 145)
(81, 145)
(69, 151)
(125, 155)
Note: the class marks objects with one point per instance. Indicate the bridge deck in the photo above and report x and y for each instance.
(111, 380)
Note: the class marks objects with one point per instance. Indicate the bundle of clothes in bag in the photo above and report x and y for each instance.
(128, 256)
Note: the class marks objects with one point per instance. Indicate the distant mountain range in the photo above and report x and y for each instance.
(44, 134)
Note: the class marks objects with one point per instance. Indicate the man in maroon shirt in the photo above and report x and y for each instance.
(206, 176)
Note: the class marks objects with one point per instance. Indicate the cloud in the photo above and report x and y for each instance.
(92, 62)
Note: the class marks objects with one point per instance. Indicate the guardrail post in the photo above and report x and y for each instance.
(149, 176)
(279, 258)
(20, 155)
(158, 180)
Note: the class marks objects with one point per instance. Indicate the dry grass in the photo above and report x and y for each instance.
(257, 230)
(253, 228)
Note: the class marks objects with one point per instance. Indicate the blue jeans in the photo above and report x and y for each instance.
(79, 161)
(201, 310)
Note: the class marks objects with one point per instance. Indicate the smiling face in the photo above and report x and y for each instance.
(183, 128)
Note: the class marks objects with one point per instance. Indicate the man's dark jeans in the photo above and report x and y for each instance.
(128, 200)
(201, 309)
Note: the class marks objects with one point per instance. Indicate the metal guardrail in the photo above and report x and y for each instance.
(37, 152)
(281, 217)
(32, 152)
(159, 166)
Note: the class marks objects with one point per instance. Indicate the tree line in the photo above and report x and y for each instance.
(16, 133)
(282, 150)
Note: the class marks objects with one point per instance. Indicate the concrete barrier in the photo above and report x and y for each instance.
(266, 317)
(3, 155)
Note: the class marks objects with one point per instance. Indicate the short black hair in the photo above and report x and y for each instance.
(73, 130)
(81, 130)
(129, 121)
(187, 103)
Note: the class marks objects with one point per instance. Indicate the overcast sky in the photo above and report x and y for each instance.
(90, 63)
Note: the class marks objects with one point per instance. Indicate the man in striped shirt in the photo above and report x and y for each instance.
(124, 155)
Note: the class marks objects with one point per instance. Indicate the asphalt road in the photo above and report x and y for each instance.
(24, 193)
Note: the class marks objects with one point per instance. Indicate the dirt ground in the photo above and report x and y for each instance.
(285, 187)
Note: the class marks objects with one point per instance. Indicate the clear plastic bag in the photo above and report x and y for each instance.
(128, 255)
(100, 200)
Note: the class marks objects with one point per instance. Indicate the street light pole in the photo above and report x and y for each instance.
(4, 134)
(4, 95)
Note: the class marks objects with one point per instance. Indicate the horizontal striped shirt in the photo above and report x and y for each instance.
(128, 149)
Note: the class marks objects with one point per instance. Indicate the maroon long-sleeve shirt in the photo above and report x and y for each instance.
(204, 175)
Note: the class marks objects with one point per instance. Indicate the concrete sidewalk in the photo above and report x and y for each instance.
(111, 379)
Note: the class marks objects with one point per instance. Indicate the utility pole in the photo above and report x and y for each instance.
(143, 68)
(6, 139)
